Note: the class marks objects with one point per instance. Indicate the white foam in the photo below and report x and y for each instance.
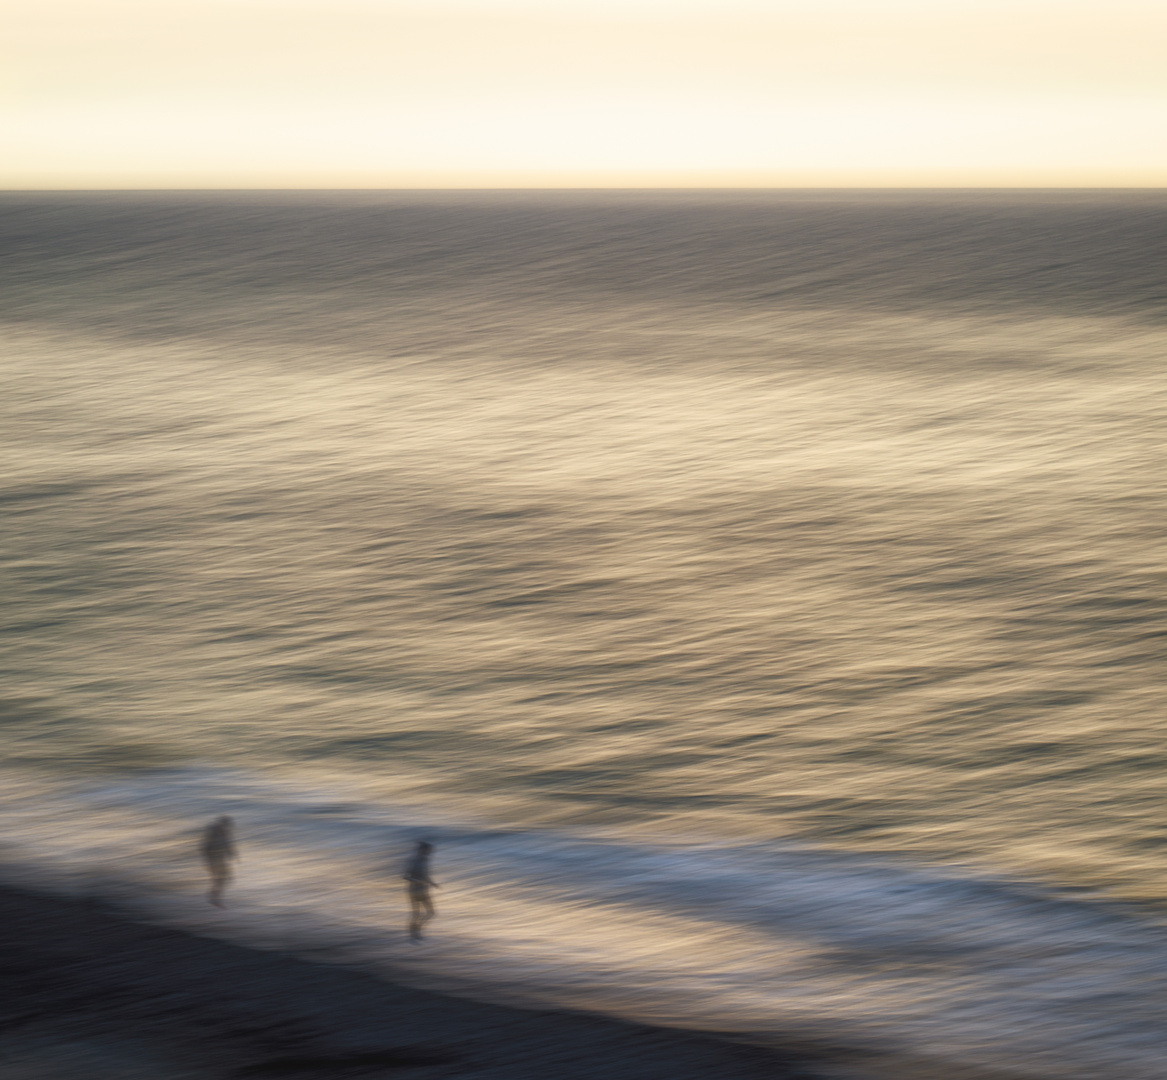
(768, 939)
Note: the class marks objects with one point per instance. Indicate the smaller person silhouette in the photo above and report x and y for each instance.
(419, 883)
(218, 850)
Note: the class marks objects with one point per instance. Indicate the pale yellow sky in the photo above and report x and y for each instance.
(378, 93)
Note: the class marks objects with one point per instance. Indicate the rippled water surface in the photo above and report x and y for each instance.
(760, 598)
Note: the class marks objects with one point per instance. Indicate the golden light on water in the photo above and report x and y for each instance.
(303, 93)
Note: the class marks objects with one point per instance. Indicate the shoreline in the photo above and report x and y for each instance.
(87, 994)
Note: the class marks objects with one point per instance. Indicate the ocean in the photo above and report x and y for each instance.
(758, 598)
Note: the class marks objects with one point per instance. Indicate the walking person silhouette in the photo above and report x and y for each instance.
(419, 883)
(218, 850)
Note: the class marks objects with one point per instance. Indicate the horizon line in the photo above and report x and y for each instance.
(714, 179)
(415, 188)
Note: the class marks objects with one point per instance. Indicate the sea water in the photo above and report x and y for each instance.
(758, 598)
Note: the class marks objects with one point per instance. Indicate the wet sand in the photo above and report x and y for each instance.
(87, 995)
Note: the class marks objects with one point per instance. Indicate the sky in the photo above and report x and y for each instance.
(582, 93)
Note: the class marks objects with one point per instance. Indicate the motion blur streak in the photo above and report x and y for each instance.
(758, 598)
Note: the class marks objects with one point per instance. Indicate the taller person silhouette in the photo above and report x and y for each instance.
(419, 883)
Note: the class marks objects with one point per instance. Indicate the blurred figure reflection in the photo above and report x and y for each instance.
(218, 850)
(417, 874)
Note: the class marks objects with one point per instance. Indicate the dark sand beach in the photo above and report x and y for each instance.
(86, 994)
(89, 995)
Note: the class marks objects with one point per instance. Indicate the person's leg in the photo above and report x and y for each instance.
(427, 906)
(421, 911)
(220, 876)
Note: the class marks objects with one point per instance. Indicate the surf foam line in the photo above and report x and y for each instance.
(768, 940)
